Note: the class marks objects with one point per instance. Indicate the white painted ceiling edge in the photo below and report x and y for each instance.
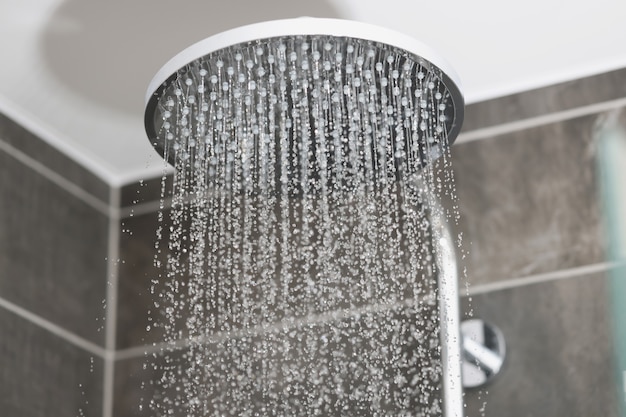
(497, 49)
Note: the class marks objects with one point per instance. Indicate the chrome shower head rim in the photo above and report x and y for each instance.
(304, 26)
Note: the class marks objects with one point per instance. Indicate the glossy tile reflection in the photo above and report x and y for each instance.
(529, 201)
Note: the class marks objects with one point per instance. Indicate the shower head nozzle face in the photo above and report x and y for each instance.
(334, 84)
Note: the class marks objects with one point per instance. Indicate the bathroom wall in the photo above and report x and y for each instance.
(532, 220)
(534, 255)
(54, 237)
(533, 233)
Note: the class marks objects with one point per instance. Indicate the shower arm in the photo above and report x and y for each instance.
(480, 355)
(449, 311)
(460, 348)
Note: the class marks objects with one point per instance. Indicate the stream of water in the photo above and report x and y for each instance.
(297, 263)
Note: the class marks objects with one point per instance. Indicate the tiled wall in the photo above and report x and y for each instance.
(531, 219)
(54, 238)
(532, 216)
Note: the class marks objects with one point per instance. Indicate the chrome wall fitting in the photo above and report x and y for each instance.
(483, 352)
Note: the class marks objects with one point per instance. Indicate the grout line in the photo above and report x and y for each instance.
(537, 121)
(138, 351)
(51, 175)
(287, 324)
(540, 278)
(153, 206)
(112, 271)
(56, 330)
(144, 208)
(111, 355)
(111, 303)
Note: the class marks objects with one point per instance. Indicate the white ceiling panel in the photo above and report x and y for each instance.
(76, 71)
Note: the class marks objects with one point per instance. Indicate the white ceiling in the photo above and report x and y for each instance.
(75, 71)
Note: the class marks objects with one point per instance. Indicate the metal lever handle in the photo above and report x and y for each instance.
(483, 352)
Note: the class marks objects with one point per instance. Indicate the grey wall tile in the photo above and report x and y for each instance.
(31, 145)
(529, 204)
(560, 349)
(42, 375)
(140, 282)
(333, 369)
(529, 201)
(542, 101)
(135, 280)
(134, 386)
(145, 191)
(53, 250)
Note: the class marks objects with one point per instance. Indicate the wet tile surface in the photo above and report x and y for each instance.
(53, 250)
(543, 101)
(529, 201)
(559, 350)
(42, 375)
(26, 142)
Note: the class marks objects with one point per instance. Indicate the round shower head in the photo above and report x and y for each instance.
(308, 80)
